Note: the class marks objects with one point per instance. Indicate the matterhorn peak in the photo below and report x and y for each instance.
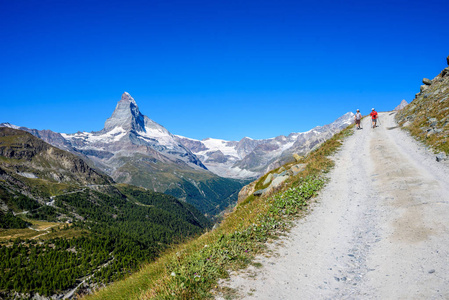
(126, 115)
(126, 97)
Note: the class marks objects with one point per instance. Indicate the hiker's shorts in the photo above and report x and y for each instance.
(357, 122)
(375, 120)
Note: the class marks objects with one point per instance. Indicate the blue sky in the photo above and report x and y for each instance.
(222, 69)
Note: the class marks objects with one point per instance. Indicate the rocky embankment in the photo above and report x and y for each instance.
(427, 116)
(271, 181)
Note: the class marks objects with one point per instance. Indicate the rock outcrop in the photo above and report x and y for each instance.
(427, 116)
(37, 159)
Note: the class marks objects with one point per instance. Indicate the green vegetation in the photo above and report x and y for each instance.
(123, 227)
(67, 223)
(191, 270)
(210, 196)
(206, 191)
(8, 220)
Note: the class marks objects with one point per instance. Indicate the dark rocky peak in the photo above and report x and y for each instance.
(19, 144)
(126, 115)
(39, 157)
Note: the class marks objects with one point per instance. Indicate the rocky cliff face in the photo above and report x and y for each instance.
(250, 158)
(128, 132)
(28, 156)
(427, 116)
(134, 149)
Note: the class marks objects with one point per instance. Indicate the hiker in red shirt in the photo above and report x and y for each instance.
(374, 117)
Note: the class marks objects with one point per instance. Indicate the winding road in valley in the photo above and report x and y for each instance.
(379, 229)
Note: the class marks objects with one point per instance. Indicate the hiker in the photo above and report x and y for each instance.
(357, 118)
(374, 117)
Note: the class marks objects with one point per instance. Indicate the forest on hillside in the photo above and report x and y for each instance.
(113, 232)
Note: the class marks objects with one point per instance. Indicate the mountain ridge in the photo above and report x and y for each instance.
(250, 158)
(134, 149)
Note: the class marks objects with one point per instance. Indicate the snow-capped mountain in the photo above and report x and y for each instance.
(132, 148)
(128, 132)
(250, 158)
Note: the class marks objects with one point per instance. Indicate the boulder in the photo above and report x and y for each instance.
(274, 184)
(298, 168)
(260, 192)
(441, 157)
(433, 122)
(406, 124)
(268, 179)
(283, 173)
(427, 81)
(445, 71)
(297, 157)
(430, 132)
(277, 182)
(246, 191)
(447, 59)
(423, 88)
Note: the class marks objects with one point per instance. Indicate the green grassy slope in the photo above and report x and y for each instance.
(208, 192)
(192, 270)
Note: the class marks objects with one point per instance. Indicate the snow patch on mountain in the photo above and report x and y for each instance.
(225, 147)
(88, 138)
(251, 158)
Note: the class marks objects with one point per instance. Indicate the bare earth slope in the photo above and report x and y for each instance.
(380, 229)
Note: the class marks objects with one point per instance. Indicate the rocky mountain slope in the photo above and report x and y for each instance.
(250, 158)
(28, 156)
(75, 221)
(31, 168)
(133, 149)
(427, 116)
(136, 150)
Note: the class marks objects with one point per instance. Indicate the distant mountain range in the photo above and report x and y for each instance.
(208, 174)
(250, 158)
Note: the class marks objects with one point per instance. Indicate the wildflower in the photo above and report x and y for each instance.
(173, 274)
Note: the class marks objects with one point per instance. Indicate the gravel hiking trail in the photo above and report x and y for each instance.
(378, 230)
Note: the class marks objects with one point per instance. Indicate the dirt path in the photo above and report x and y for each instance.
(380, 229)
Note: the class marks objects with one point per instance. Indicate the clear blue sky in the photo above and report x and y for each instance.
(222, 69)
